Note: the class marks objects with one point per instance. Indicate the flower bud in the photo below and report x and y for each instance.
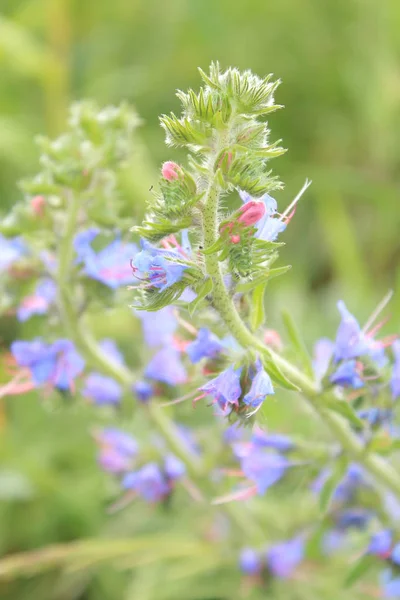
(251, 212)
(38, 204)
(170, 170)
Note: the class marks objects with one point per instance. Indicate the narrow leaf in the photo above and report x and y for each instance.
(257, 311)
(361, 567)
(202, 292)
(331, 484)
(297, 342)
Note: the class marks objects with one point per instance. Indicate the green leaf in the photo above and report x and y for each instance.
(203, 291)
(156, 230)
(344, 409)
(298, 343)
(331, 484)
(257, 310)
(360, 568)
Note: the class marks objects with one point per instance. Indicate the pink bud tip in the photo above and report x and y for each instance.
(38, 203)
(273, 339)
(235, 239)
(251, 212)
(170, 170)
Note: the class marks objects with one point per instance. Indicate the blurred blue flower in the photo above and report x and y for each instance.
(11, 249)
(283, 558)
(347, 375)
(323, 352)
(381, 543)
(225, 388)
(39, 302)
(390, 583)
(143, 390)
(117, 450)
(395, 379)
(250, 561)
(350, 340)
(261, 386)
(264, 468)
(174, 468)
(166, 366)
(110, 348)
(101, 389)
(206, 345)
(57, 364)
(158, 326)
(277, 441)
(149, 482)
(111, 265)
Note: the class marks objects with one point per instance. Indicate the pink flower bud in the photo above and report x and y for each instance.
(235, 239)
(38, 203)
(251, 212)
(170, 170)
(273, 339)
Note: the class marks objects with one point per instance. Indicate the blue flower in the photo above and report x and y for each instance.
(111, 265)
(111, 349)
(149, 482)
(353, 518)
(381, 543)
(390, 583)
(57, 363)
(166, 366)
(268, 227)
(158, 266)
(261, 386)
(143, 390)
(376, 416)
(350, 340)
(347, 375)
(395, 379)
(117, 450)
(323, 352)
(39, 302)
(10, 251)
(206, 345)
(158, 326)
(225, 388)
(174, 468)
(102, 389)
(277, 441)
(283, 558)
(250, 561)
(264, 468)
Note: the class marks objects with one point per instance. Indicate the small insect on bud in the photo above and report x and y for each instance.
(38, 204)
(251, 213)
(170, 170)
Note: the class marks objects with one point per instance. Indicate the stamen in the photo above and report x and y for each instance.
(297, 198)
(378, 310)
(244, 494)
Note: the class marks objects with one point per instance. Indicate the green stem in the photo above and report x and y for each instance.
(222, 302)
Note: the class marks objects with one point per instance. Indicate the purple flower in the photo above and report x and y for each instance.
(111, 349)
(376, 416)
(149, 482)
(166, 366)
(381, 543)
(353, 518)
(10, 251)
(323, 352)
(111, 265)
(174, 468)
(250, 561)
(350, 340)
(261, 386)
(39, 302)
(395, 379)
(57, 363)
(225, 388)
(158, 266)
(158, 326)
(206, 345)
(143, 390)
(264, 468)
(117, 450)
(347, 375)
(102, 390)
(283, 558)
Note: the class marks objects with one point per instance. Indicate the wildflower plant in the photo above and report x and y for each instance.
(196, 271)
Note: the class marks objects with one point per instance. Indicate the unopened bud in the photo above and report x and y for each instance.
(38, 203)
(235, 239)
(273, 339)
(251, 212)
(170, 170)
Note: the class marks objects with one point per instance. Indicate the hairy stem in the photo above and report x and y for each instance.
(382, 471)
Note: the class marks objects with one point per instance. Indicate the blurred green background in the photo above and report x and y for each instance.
(340, 65)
